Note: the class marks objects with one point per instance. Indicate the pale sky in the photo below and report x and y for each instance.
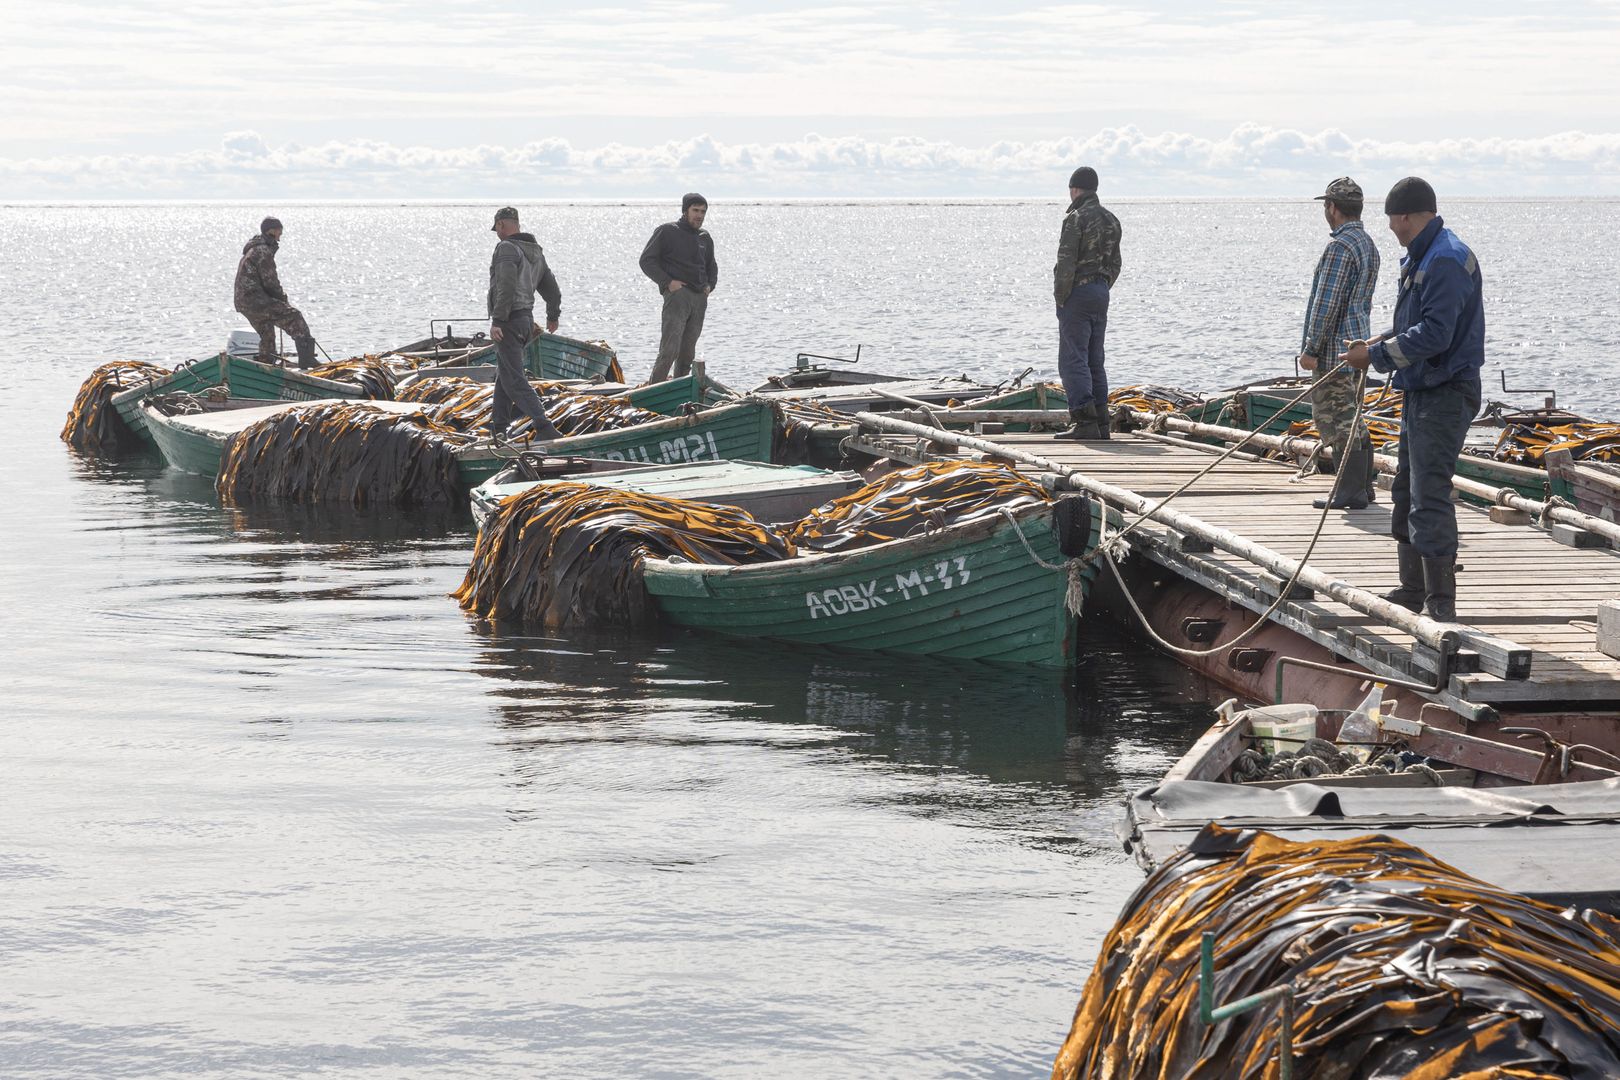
(468, 98)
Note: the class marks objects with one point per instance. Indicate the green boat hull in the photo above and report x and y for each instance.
(184, 449)
(245, 378)
(971, 592)
(670, 397)
(745, 431)
(1039, 396)
(551, 356)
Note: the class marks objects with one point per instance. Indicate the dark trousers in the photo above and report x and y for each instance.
(1434, 423)
(683, 322)
(1082, 322)
(512, 388)
(264, 324)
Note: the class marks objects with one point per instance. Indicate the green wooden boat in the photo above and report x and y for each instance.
(243, 378)
(771, 493)
(968, 592)
(671, 396)
(745, 431)
(194, 442)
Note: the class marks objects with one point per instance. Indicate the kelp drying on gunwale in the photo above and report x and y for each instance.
(93, 425)
(467, 406)
(568, 554)
(347, 452)
(1404, 968)
(912, 501)
(373, 374)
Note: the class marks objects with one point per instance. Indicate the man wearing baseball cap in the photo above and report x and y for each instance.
(1087, 267)
(1435, 353)
(260, 297)
(1340, 309)
(517, 271)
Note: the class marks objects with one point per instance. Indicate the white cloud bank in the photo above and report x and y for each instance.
(1251, 160)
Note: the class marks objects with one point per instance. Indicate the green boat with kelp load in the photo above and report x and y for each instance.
(994, 586)
(192, 431)
(746, 430)
(546, 356)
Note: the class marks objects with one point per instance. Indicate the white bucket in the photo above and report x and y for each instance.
(1283, 728)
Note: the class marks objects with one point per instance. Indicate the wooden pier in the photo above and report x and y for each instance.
(1527, 602)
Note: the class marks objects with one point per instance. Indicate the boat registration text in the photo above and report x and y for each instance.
(696, 447)
(880, 592)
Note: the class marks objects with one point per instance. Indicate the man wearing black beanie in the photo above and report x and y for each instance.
(1434, 353)
(1087, 267)
(680, 258)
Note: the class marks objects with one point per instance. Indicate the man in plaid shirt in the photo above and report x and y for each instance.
(1340, 310)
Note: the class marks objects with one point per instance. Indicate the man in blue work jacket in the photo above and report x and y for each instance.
(1435, 352)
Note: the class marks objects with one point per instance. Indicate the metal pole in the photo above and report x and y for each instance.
(1436, 635)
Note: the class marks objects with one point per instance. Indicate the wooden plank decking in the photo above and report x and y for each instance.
(1517, 582)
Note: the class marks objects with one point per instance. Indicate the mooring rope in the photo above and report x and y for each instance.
(1074, 598)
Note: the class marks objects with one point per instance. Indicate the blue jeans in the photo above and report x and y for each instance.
(1434, 423)
(1082, 321)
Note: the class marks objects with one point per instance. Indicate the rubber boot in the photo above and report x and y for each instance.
(306, 352)
(1414, 587)
(1082, 426)
(1372, 472)
(1104, 419)
(1350, 486)
(1440, 588)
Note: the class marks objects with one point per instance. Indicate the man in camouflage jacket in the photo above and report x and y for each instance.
(1087, 266)
(260, 297)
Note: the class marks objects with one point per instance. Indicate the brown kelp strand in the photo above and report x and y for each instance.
(348, 452)
(466, 405)
(374, 375)
(1380, 411)
(914, 501)
(1152, 398)
(1529, 444)
(568, 554)
(1403, 967)
(93, 424)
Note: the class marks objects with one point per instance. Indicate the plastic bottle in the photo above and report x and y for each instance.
(1362, 727)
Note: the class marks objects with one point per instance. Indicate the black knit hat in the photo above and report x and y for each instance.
(269, 223)
(691, 199)
(1084, 178)
(1412, 195)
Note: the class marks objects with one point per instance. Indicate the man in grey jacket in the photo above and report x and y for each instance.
(516, 272)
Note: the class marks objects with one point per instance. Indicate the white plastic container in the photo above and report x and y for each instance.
(1283, 728)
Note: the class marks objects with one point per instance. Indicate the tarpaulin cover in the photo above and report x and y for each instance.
(567, 554)
(914, 501)
(343, 452)
(92, 423)
(1403, 967)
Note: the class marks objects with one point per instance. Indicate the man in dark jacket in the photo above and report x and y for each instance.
(1087, 267)
(260, 297)
(680, 258)
(516, 272)
(1435, 354)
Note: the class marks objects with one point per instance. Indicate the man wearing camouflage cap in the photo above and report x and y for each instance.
(1087, 267)
(260, 297)
(1340, 309)
(1434, 355)
(517, 271)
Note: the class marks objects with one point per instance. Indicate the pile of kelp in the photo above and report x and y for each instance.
(1529, 444)
(568, 554)
(467, 406)
(1402, 966)
(1149, 397)
(343, 451)
(915, 501)
(93, 424)
(1380, 411)
(374, 375)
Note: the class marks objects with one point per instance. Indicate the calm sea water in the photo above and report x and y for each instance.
(270, 804)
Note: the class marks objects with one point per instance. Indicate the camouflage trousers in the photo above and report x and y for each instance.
(1333, 408)
(264, 324)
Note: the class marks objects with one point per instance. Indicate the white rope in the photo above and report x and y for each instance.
(1106, 551)
(1074, 597)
